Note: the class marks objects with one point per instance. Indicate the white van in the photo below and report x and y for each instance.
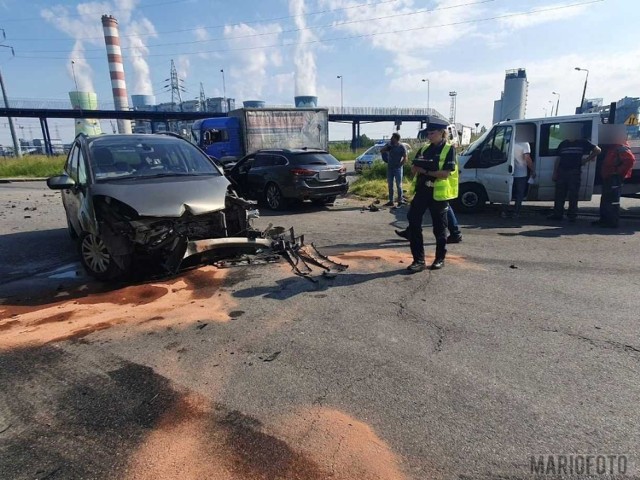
(486, 167)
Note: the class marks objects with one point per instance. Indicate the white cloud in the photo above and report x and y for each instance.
(201, 34)
(552, 13)
(252, 56)
(413, 31)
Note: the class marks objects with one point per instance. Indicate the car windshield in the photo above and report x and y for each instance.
(476, 144)
(314, 159)
(375, 150)
(131, 157)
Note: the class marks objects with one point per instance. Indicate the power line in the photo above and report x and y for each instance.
(212, 27)
(313, 27)
(142, 7)
(336, 39)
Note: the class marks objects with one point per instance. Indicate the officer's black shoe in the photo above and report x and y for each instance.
(403, 234)
(416, 267)
(554, 217)
(454, 239)
(437, 264)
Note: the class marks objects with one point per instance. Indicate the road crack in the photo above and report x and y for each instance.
(604, 344)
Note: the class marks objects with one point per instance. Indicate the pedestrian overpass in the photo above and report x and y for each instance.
(46, 109)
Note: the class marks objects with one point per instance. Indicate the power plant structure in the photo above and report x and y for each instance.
(116, 69)
(85, 101)
(513, 99)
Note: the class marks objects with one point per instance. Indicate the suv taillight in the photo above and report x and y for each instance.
(302, 172)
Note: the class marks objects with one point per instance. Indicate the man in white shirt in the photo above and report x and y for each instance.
(522, 164)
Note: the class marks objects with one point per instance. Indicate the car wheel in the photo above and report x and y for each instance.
(72, 231)
(273, 197)
(96, 258)
(471, 198)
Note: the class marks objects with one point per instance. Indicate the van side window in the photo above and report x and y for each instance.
(551, 134)
(495, 149)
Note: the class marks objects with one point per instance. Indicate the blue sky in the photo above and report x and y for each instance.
(273, 49)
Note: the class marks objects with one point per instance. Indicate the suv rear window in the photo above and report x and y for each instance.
(313, 159)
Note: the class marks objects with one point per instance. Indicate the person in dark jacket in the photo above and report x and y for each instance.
(567, 172)
(394, 154)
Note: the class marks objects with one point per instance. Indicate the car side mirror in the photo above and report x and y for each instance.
(61, 182)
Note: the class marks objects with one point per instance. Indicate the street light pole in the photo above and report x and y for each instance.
(558, 102)
(584, 91)
(341, 95)
(16, 144)
(224, 93)
(428, 88)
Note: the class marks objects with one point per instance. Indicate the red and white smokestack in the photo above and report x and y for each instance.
(116, 69)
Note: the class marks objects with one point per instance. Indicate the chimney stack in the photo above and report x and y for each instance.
(116, 69)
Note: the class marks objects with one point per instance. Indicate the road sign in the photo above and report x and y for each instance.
(632, 120)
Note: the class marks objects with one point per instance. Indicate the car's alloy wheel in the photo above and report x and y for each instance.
(95, 254)
(97, 260)
(273, 197)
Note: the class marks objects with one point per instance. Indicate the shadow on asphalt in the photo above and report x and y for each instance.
(287, 288)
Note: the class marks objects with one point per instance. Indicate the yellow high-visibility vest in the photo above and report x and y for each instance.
(445, 188)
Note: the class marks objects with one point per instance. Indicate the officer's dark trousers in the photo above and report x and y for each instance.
(422, 202)
(567, 187)
(610, 200)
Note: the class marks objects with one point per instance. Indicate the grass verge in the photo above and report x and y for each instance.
(32, 166)
(372, 183)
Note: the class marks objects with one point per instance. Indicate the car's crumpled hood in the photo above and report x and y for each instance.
(168, 197)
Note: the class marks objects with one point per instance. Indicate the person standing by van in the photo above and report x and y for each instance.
(617, 166)
(396, 157)
(522, 165)
(436, 184)
(567, 173)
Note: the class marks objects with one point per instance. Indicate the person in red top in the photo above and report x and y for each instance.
(617, 166)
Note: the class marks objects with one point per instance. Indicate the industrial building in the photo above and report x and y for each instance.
(513, 99)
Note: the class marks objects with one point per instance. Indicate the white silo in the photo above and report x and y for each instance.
(514, 98)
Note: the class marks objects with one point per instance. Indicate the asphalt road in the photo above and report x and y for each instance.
(526, 343)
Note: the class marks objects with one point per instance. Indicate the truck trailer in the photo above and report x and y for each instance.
(247, 130)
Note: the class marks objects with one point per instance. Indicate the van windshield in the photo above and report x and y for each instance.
(477, 143)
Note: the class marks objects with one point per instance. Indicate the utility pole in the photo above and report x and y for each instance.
(203, 98)
(225, 107)
(428, 88)
(16, 145)
(341, 95)
(452, 112)
(557, 102)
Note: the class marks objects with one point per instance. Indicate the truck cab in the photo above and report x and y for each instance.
(219, 137)
(486, 167)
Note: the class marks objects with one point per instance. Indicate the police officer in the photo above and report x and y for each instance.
(437, 182)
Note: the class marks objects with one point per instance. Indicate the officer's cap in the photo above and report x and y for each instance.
(436, 124)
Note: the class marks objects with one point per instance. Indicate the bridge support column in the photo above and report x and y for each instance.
(355, 135)
(46, 137)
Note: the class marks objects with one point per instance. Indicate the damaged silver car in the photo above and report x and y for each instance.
(153, 195)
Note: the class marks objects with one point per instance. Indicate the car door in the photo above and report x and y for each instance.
(238, 175)
(70, 198)
(86, 214)
(259, 175)
(493, 162)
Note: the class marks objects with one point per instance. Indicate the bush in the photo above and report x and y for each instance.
(32, 166)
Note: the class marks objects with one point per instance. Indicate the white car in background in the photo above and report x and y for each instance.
(372, 155)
